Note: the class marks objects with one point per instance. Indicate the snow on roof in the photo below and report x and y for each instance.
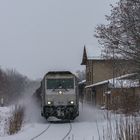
(91, 53)
(124, 83)
(126, 75)
(97, 84)
(82, 82)
(119, 82)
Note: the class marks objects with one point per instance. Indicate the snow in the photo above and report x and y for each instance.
(84, 127)
(98, 83)
(5, 113)
(125, 83)
(82, 82)
(119, 82)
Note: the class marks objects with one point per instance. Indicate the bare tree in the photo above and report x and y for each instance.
(12, 85)
(81, 75)
(121, 36)
(17, 83)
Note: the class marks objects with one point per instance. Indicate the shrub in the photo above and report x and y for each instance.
(16, 120)
(124, 128)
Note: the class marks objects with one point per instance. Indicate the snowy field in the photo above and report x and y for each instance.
(85, 127)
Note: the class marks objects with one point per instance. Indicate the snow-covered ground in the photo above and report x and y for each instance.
(5, 113)
(84, 127)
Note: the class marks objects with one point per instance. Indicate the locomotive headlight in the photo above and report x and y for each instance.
(49, 102)
(72, 102)
(60, 92)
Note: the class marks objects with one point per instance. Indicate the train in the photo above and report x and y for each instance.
(59, 95)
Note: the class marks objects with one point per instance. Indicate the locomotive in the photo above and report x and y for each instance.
(59, 95)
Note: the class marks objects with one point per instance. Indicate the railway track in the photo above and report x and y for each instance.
(41, 133)
(46, 129)
(70, 128)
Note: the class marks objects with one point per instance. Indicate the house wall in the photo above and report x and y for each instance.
(95, 95)
(125, 99)
(137, 91)
(100, 70)
(102, 98)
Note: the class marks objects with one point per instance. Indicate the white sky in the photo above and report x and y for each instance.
(41, 35)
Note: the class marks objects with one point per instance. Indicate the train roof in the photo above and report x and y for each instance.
(58, 72)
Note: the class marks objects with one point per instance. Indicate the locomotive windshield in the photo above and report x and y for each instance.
(60, 83)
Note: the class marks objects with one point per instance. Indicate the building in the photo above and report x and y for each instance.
(99, 72)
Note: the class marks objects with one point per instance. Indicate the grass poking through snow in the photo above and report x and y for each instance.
(16, 120)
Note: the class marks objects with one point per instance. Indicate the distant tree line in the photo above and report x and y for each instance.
(12, 85)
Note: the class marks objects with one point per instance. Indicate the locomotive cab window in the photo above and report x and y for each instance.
(60, 83)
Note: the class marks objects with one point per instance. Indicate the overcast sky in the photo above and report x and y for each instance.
(41, 35)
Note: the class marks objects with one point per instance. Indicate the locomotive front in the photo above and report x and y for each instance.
(60, 96)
